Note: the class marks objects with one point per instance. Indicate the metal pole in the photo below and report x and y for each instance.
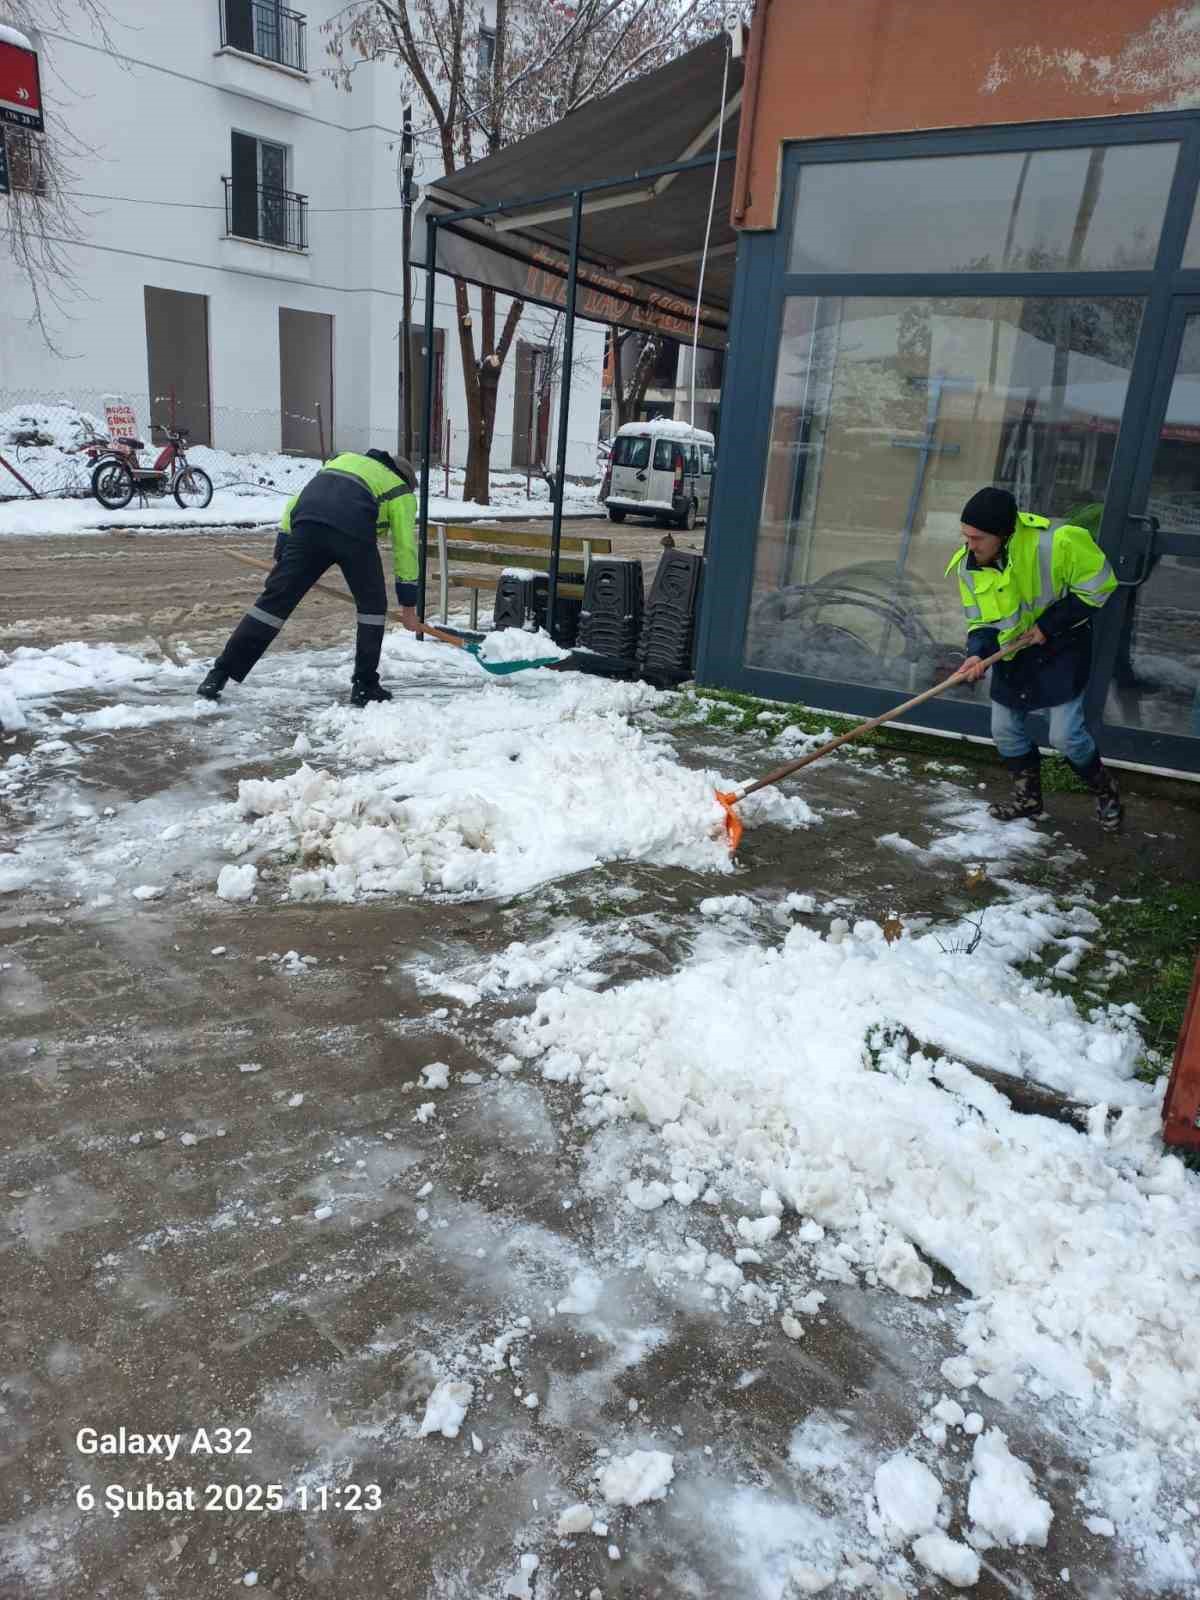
(407, 161)
(431, 228)
(564, 408)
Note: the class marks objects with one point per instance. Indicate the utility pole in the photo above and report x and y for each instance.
(407, 161)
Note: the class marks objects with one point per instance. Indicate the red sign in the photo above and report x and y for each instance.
(20, 86)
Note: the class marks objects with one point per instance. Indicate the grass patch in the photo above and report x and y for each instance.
(746, 713)
(1157, 929)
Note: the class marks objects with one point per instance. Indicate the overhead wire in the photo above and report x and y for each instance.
(712, 202)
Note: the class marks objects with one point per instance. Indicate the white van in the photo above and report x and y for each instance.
(660, 469)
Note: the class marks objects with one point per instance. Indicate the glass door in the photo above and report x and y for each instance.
(1153, 647)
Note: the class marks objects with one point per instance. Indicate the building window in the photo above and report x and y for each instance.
(266, 29)
(26, 161)
(486, 55)
(889, 411)
(258, 203)
(1076, 210)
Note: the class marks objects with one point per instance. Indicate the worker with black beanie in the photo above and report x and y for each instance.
(1036, 585)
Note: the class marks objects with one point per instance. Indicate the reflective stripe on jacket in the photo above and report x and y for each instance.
(363, 499)
(1054, 575)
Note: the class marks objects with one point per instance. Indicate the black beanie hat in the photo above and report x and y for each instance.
(991, 511)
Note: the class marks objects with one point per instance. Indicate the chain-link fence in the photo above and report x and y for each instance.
(44, 439)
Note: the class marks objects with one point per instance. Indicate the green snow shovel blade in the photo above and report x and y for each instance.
(503, 668)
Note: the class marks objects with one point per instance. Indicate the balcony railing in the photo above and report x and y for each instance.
(262, 28)
(265, 214)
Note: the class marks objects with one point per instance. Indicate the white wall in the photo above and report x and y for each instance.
(157, 114)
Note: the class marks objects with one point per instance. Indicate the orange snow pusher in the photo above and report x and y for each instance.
(733, 823)
(1181, 1108)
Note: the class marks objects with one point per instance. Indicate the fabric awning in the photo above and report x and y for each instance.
(642, 241)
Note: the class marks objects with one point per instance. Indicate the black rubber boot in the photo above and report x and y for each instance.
(1027, 790)
(211, 688)
(364, 691)
(1103, 784)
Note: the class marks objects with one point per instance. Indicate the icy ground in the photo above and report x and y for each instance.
(425, 1090)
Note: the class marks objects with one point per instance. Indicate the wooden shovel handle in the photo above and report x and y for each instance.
(866, 727)
(340, 594)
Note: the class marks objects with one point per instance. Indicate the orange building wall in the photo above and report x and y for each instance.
(829, 68)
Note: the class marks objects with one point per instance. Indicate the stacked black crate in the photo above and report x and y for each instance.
(518, 594)
(566, 617)
(668, 633)
(610, 620)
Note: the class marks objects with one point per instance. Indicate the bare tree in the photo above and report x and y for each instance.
(484, 88)
(39, 222)
(634, 357)
(549, 376)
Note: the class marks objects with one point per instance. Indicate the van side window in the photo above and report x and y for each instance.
(663, 456)
(706, 459)
(693, 461)
(631, 451)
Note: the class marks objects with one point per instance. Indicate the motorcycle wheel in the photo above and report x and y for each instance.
(193, 489)
(112, 484)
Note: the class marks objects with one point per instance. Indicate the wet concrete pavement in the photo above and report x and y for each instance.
(168, 1263)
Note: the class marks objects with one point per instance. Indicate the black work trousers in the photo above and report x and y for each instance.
(308, 552)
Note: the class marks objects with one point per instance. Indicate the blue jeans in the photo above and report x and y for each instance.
(1068, 732)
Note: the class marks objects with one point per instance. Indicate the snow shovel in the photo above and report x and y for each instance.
(733, 823)
(472, 646)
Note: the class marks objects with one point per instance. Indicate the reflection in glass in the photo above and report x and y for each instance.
(1090, 210)
(888, 414)
(1156, 679)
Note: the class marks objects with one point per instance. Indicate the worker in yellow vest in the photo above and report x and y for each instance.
(1024, 580)
(336, 520)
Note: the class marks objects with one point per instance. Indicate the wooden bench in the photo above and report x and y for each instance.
(455, 544)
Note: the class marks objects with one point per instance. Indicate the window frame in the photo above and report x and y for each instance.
(763, 282)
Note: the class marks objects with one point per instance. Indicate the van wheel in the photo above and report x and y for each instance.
(688, 520)
(614, 515)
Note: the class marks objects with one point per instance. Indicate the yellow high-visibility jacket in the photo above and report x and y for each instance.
(1054, 575)
(363, 499)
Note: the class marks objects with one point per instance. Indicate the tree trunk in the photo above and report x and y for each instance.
(626, 401)
(482, 381)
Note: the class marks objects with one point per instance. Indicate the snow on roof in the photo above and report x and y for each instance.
(666, 428)
(11, 36)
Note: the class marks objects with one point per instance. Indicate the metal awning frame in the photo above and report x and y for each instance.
(643, 185)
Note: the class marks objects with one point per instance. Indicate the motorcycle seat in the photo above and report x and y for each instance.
(134, 444)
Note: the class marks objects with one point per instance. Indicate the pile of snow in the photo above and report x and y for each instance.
(1056, 1233)
(640, 1476)
(512, 791)
(28, 674)
(1002, 1502)
(665, 428)
(48, 423)
(446, 1408)
(908, 1495)
(520, 644)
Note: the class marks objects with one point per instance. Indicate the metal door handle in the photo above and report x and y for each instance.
(1146, 560)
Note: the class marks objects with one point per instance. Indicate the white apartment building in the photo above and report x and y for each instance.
(241, 254)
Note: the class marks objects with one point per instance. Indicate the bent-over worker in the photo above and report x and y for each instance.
(335, 520)
(1024, 579)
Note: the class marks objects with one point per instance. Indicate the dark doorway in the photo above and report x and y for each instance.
(177, 360)
(439, 388)
(531, 407)
(306, 382)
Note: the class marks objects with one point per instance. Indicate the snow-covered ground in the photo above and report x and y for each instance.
(784, 1117)
(249, 489)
